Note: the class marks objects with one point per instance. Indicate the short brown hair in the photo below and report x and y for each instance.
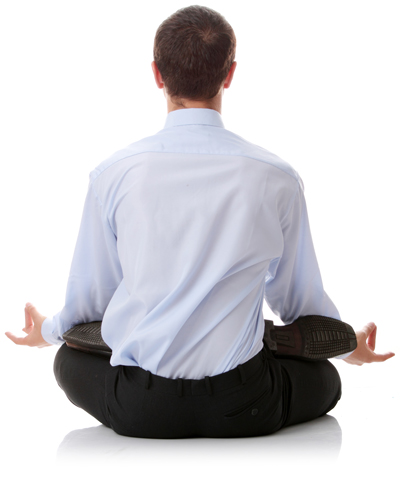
(194, 49)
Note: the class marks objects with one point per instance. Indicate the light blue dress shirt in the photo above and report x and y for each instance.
(182, 236)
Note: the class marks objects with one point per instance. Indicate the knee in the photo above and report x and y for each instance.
(335, 377)
(60, 363)
(335, 386)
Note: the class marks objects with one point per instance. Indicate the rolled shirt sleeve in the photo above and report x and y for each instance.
(94, 275)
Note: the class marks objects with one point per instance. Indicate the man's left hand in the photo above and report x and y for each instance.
(365, 351)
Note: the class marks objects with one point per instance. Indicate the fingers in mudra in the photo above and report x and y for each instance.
(33, 326)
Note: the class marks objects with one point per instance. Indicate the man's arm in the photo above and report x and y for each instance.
(294, 286)
(94, 276)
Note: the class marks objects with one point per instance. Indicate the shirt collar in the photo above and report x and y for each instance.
(194, 116)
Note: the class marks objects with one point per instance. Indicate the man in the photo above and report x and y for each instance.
(183, 234)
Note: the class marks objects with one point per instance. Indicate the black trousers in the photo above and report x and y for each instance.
(257, 398)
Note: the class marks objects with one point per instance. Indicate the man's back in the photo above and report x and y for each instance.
(190, 226)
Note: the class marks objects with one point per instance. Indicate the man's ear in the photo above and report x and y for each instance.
(157, 75)
(229, 77)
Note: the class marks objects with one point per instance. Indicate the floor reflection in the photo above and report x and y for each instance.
(320, 439)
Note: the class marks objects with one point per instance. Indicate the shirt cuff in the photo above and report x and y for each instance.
(343, 356)
(47, 332)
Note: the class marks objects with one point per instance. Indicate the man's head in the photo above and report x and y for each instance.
(194, 51)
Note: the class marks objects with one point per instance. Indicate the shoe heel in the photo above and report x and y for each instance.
(269, 335)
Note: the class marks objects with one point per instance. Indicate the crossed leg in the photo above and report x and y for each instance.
(304, 390)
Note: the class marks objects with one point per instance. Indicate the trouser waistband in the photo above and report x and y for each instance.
(208, 385)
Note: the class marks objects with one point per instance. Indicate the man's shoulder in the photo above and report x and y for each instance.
(143, 145)
(204, 141)
(256, 152)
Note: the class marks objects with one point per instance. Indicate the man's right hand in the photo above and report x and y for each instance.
(33, 328)
(364, 353)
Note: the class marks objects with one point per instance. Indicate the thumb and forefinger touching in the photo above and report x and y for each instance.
(367, 335)
(28, 320)
(33, 324)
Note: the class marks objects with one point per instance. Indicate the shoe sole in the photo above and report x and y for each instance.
(312, 337)
(87, 338)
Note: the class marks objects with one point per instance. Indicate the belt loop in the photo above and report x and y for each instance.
(180, 387)
(242, 374)
(147, 382)
(208, 385)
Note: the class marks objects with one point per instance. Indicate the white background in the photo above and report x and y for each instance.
(317, 83)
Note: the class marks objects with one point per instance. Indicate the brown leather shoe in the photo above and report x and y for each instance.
(312, 337)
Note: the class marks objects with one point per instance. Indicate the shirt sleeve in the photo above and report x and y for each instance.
(94, 275)
(293, 285)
